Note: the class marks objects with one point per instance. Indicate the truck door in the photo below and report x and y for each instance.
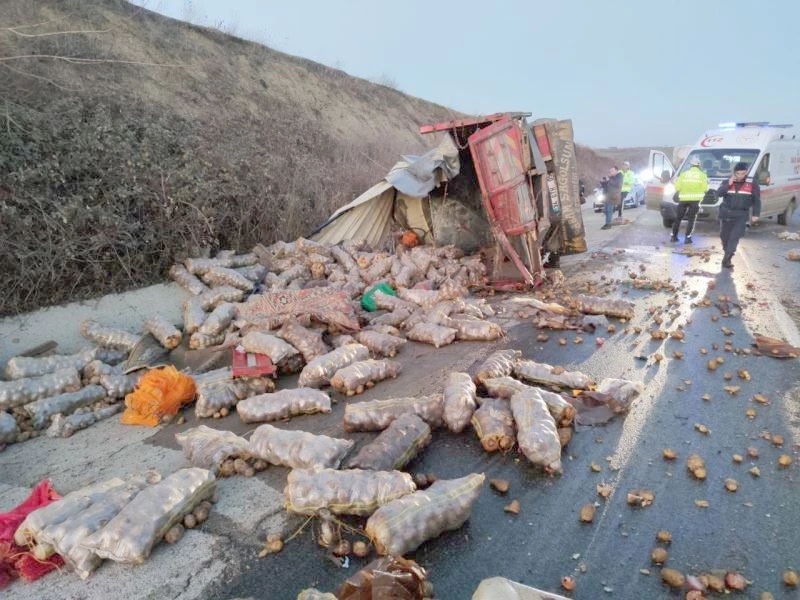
(500, 163)
(659, 171)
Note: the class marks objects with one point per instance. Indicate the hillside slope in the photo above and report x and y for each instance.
(172, 139)
(132, 140)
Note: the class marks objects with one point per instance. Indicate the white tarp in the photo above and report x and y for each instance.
(400, 195)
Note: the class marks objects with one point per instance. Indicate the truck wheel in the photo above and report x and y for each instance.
(668, 223)
(783, 218)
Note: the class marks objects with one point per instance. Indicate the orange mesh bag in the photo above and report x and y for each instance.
(160, 392)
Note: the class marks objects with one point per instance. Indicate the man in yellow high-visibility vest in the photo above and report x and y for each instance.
(628, 180)
(691, 188)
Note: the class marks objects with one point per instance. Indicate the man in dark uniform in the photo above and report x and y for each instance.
(739, 197)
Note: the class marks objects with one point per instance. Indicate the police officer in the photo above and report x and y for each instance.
(691, 186)
(739, 197)
(628, 180)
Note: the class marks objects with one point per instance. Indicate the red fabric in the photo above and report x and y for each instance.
(42, 495)
(17, 561)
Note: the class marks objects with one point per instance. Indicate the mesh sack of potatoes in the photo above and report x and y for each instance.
(259, 342)
(377, 415)
(22, 391)
(219, 320)
(394, 318)
(307, 341)
(108, 337)
(503, 387)
(536, 430)
(214, 297)
(8, 428)
(163, 331)
(621, 392)
(562, 411)
(218, 389)
(66, 537)
(471, 330)
(350, 492)
(130, 536)
(193, 315)
(459, 401)
(319, 371)
(283, 404)
(44, 408)
(406, 523)
(542, 373)
(119, 385)
(395, 446)
(200, 266)
(64, 426)
(28, 532)
(219, 276)
(187, 280)
(298, 449)
(20, 367)
(208, 448)
(354, 378)
(611, 307)
(499, 364)
(381, 344)
(494, 424)
(435, 335)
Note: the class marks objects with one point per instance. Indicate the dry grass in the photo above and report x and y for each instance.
(180, 141)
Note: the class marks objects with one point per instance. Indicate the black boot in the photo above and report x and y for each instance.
(726, 261)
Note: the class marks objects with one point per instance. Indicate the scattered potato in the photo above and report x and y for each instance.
(664, 536)
(604, 490)
(568, 583)
(501, 485)
(731, 485)
(640, 497)
(659, 556)
(342, 548)
(755, 472)
(174, 534)
(752, 452)
(669, 454)
(673, 578)
(587, 513)
(784, 460)
(513, 507)
(737, 458)
(735, 581)
(791, 578)
(190, 521)
(360, 549)
(701, 503)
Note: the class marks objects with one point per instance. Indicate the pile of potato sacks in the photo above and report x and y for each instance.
(62, 394)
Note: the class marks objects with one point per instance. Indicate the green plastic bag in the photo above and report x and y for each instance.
(368, 300)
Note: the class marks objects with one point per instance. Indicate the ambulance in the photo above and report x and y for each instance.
(771, 152)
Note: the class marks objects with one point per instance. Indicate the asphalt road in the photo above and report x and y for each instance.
(754, 531)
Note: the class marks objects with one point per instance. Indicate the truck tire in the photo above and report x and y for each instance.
(668, 223)
(783, 218)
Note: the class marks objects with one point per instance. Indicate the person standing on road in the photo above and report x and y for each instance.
(628, 181)
(739, 197)
(612, 190)
(691, 188)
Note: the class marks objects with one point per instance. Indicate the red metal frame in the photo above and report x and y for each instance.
(471, 122)
(500, 198)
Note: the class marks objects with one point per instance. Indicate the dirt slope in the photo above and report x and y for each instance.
(171, 139)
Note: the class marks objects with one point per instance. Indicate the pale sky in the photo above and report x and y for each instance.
(632, 73)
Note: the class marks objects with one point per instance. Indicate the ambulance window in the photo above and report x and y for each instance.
(762, 172)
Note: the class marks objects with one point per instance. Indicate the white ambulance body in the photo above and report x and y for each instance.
(772, 153)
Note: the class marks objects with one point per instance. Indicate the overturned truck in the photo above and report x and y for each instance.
(495, 181)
